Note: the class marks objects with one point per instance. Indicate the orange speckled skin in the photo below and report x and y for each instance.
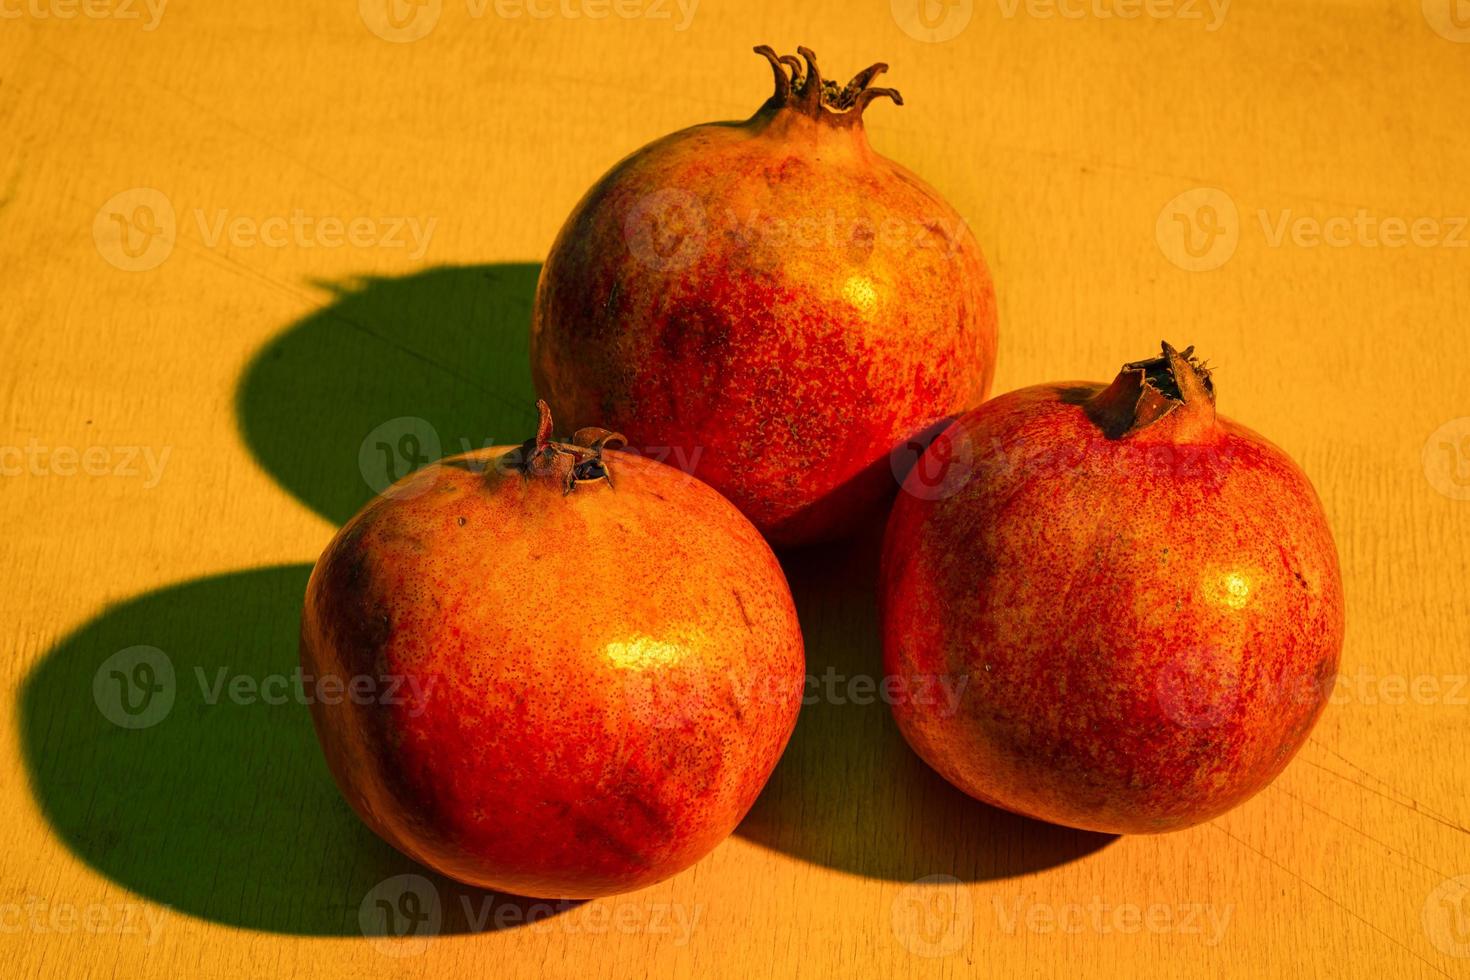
(591, 689)
(1145, 632)
(777, 302)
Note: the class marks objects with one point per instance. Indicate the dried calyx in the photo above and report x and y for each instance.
(575, 462)
(1166, 397)
(800, 86)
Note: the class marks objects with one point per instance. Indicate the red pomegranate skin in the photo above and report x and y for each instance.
(771, 302)
(1138, 600)
(588, 689)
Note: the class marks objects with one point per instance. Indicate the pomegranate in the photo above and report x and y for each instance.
(556, 670)
(1139, 598)
(774, 302)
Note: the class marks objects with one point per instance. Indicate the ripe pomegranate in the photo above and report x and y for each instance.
(556, 670)
(1137, 600)
(772, 301)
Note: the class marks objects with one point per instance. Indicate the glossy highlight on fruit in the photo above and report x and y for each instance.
(575, 667)
(1140, 598)
(772, 302)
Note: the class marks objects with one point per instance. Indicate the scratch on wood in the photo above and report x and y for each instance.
(1277, 864)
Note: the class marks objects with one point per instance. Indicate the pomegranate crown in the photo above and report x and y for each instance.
(575, 462)
(1175, 386)
(800, 86)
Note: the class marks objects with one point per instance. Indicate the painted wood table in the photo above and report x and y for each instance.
(245, 243)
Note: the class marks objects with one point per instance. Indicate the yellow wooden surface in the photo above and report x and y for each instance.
(250, 369)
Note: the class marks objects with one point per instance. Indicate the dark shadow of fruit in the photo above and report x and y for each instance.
(849, 793)
(392, 374)
(169, 744)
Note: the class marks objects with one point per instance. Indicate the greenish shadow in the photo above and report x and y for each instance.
(220, 804)
(389, 375)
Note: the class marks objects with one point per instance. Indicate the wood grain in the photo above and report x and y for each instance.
(250, 371)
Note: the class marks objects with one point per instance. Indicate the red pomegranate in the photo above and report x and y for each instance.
(1108, 607)
(772, 303)
(556, 670)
